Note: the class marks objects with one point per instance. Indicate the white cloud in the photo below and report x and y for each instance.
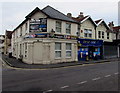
(14, 13)
(1, 32)
(58, 1)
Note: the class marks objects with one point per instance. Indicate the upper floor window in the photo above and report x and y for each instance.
(102, 34)
(68, 28)
(88, 33)
(108, 36)
(58, 26)
(99, 34)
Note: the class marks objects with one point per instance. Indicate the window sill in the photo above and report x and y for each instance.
(68, 57)
(58, 58)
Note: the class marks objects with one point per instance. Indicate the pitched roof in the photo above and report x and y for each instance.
(98, 22)
(50, 12)
(81, 20)
(34, 11)
(55, 14)
(116, 29)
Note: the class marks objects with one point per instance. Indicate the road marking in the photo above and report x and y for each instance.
(107, 75)
(47, 91)
(116, 73)
(96, 78)
(82, 82)
(65, 87)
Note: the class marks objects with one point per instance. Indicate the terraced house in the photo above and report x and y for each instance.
(103, 31)
(46, 36)
(89, 47)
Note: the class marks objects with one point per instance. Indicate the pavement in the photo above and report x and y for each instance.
(13, 62)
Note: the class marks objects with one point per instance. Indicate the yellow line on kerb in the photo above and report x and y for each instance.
(52, 68)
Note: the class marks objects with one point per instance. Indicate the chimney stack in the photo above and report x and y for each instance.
(111, 25)
(69, 14)
(81, 15)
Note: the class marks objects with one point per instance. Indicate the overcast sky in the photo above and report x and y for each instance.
(13, 13)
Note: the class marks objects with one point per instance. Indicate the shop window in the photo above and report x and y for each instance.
(102, 34)
(96, 50)
(107, 35)
(58, 26)
(68, 50)
(99, 34)
(68, 28)
(88, 33)
(57, 50)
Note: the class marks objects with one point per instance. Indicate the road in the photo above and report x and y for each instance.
(91, 77)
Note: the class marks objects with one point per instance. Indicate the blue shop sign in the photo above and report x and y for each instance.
(90, 42)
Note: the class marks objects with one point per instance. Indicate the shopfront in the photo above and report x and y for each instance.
(89, 49)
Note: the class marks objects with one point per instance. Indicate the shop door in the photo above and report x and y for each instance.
(83, 54)
(37, 53)
(90, 52)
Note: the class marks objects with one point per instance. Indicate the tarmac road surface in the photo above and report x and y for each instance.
(89, 77)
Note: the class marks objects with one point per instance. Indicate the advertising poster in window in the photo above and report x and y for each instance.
(38, 25)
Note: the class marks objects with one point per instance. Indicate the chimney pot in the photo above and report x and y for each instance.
(81, 15)
(69, 14)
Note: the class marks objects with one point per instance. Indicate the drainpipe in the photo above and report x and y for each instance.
(118, 51)
(95, 33)
(103, 53)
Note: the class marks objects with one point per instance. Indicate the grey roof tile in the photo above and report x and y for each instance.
(53, 13)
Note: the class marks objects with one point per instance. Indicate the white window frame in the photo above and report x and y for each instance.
(58, 27)
(69, 50)
(58, 50)
(87, 33)
(68, 28)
